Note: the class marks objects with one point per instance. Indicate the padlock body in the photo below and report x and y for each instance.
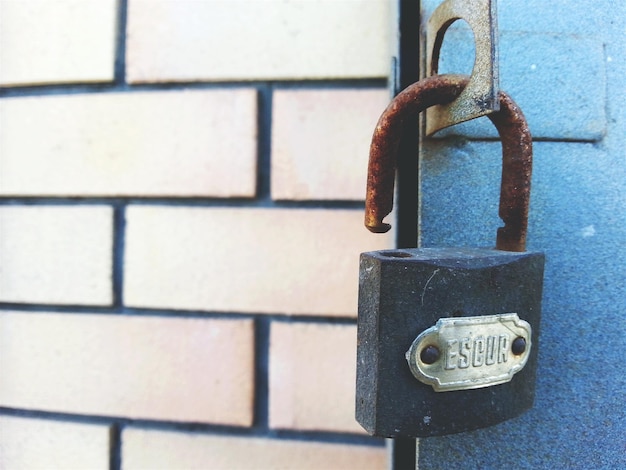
(404, 292)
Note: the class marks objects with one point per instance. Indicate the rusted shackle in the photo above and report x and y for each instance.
(517, 155)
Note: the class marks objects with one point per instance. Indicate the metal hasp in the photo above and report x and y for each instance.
(404, 293)
(479, 97)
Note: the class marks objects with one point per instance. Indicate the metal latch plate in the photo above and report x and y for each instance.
(480, 96)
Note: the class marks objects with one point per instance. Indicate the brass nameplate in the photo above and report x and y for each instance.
(470, 352)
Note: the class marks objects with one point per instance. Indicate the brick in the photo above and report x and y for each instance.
(195, 370)
(166, 143)
(65, 41)
(158, 449)
(558, 80)
(42, 443)
(320, 142)
(289, 40)
(293, 261)
(56, 254)
(312, 377)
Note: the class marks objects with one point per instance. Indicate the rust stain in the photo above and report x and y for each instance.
(516, 156)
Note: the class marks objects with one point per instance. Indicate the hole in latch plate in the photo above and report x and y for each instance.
(458, 50)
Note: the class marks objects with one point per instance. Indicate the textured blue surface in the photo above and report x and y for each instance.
(578, 217)
(548, 75)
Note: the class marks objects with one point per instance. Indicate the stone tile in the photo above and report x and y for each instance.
(293, 261)
(320, 142)
(43, 443)
(174, 40)
(158, 449)
(56, 254)
(176, 369)
(312, 377)
(166, 143)
(49, 41)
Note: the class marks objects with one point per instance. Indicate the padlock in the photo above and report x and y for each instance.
(447, 337)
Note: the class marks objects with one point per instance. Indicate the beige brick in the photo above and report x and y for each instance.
(56, 254)
(156, 449)
(186, 40)
(312, 376)
(173, 143)
(57, 41)
(177, 369)
(45, 444)
(320, 142)
(292, 261)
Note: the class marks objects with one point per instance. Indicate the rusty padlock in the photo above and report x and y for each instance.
(447, 337)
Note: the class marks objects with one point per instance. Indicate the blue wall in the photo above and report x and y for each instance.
(564, 62)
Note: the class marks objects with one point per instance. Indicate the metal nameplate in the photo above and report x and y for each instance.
(470, 352)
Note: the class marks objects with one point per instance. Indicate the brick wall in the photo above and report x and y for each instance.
(181, 194)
